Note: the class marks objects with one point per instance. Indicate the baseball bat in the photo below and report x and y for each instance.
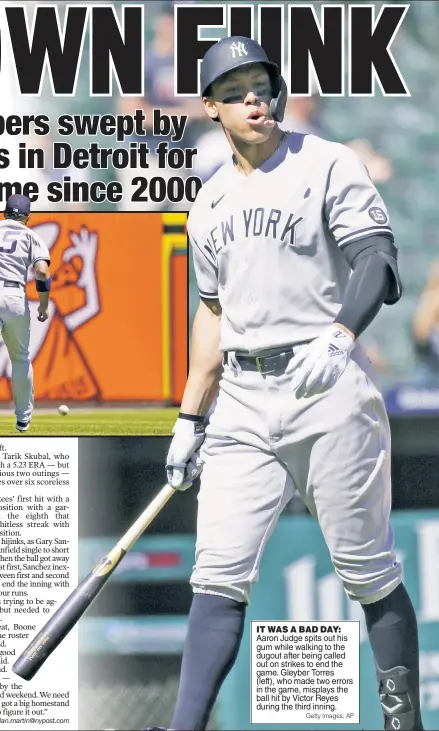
(72, 609)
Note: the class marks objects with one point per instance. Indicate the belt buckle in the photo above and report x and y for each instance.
(260, 366)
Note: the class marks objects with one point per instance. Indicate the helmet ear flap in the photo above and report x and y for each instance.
(279, 101)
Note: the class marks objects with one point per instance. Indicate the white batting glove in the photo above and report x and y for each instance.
(318, 366)
(183, 463)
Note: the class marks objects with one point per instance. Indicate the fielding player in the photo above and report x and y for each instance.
(294, 256)
(21, 248)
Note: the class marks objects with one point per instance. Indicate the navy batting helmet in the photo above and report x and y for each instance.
(237, 51)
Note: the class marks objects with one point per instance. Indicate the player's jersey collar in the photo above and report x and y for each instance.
(265, 166)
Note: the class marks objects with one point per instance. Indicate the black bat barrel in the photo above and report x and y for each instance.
(59, 625)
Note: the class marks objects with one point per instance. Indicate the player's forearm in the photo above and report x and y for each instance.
(365, 294)
(44, 299)
(42, 274)
(205, 362)
(43, 283)
(200, 393)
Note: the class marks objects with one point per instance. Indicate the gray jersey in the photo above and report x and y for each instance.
(269, 246)
(20, 248)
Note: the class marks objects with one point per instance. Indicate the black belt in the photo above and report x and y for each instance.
(273, 362)
(7, 283)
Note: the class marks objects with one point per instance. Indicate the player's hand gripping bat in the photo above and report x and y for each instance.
(72, 609)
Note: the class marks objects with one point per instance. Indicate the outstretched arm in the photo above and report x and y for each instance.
(84, 246)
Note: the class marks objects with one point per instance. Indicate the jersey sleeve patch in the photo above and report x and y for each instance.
(378, 215)
(354, 207)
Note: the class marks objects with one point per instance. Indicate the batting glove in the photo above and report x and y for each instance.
(317, 367)
(183, 463)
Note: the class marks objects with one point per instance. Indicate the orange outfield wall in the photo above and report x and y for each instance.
(117, 329)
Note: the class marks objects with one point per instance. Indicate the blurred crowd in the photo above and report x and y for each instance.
(426, 331)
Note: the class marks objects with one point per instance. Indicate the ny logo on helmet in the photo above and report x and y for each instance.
(238, 49)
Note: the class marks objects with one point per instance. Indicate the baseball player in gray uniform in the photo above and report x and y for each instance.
(21, 248)
(294, 256)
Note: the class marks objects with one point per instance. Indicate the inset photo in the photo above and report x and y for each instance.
(94, 321)
(131, 638)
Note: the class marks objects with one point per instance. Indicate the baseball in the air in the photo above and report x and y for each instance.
(63, 410)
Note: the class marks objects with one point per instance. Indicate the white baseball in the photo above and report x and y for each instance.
(63, 410)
